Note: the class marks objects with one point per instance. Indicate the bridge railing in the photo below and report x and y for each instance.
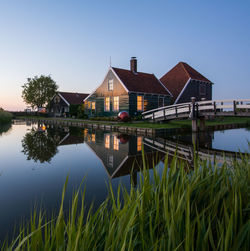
(167, 111)
(201, 107)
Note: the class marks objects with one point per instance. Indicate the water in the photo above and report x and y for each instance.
(36, 159)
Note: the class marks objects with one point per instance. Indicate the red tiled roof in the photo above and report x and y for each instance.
(178, 76)
(74, 98)
(140, 82)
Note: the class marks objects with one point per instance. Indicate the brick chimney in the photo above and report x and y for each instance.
(133, 64)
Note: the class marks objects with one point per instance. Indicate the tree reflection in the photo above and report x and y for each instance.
(4, 127)
(39, 145)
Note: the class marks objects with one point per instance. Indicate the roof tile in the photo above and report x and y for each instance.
(74, 98)
(141, 82)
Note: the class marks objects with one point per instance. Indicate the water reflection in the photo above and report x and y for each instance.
(5, 128)
(40, 144)
(121, 154)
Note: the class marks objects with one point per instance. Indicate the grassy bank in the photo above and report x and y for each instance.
(167, 125)
(5, 117)
(201, 209)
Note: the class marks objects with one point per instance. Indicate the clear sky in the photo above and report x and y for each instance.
(73, 41)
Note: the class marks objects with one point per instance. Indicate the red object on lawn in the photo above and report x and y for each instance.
(124, 116)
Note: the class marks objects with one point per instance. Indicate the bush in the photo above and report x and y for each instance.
(5, 117)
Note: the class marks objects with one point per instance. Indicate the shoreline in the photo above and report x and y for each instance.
(140, 128)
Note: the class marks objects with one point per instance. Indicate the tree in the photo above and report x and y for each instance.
(38, 91)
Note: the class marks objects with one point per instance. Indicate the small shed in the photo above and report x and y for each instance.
(61, 102)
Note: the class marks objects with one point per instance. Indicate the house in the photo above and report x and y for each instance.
(61, 102)
(127, 90)
(185, 82)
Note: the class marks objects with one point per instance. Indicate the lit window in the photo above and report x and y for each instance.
(116, 104)
(139, 143)
(139, 103)
(107, 141)
(116, 143)
(107, 104)
(89, 138)
(110, 85)
(85, 132)
(93, 105)
(93, 137)
(89, 104)
(202, 89)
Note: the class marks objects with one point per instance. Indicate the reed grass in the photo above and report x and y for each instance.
(205, 208)
(5, 117)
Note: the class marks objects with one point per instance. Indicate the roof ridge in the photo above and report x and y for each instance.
(130, 70)
(184, 68)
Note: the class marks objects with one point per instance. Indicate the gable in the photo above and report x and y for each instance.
(179, 76)
(73, 98)
(58, 100)
(103, 89)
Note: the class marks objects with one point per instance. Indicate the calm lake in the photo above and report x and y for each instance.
(36, 159)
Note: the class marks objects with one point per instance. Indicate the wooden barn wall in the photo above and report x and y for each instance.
(151, 101)
(102, 91)
(60, 105)
(193, 90)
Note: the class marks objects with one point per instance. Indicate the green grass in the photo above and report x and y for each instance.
(5, 117)
(204, 208)
(167, 125)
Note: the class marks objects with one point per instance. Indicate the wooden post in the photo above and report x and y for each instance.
(164, 113)
(194, 125)
(176, 113)
(234, 103)
(214, 107)
(194, 116)
(153, 116)
(202, 124)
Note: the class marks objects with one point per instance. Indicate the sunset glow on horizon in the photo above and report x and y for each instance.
(73, 41)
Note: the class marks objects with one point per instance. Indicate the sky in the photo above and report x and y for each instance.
(73, 41)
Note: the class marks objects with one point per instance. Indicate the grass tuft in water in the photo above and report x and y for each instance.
(206, 208)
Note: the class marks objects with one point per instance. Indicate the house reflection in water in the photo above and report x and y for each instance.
(120, 154)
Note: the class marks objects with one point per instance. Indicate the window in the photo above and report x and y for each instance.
(107, 141)
(110, 160)
(161, 102)
(93, 137)
(110, 85)
(107, 104)
(139, 103)
(116, 104)
(139, 143)
(89, 104)
(202, 89)
(85, 132)
(116, 143)
(93, 105)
